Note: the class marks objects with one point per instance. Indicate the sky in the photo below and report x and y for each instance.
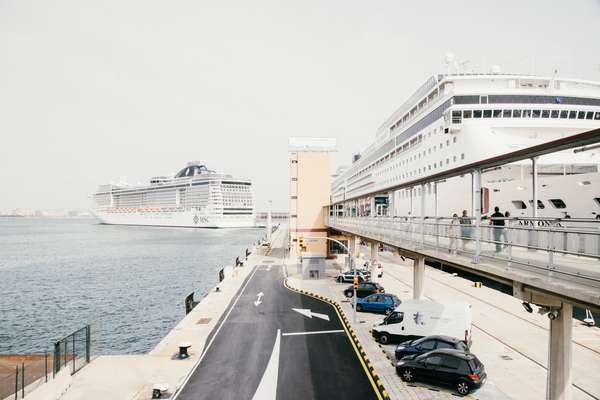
(93, 92)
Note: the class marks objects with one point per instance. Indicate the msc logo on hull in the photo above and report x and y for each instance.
(198, 219)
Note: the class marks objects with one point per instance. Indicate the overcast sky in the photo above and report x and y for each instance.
(92, 91)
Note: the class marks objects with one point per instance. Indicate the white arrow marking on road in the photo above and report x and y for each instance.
(267, 388)
(307, 313)
(258, 299)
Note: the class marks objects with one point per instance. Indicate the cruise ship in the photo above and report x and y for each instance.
(456, 119)
(195, 197)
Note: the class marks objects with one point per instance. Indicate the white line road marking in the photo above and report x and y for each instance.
(307, 313)
(311, 332)
(187, 378)
(267, 388)
(258, 299)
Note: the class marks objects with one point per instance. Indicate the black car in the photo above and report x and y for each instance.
(429, 343)
(447, 367)
(364, 289)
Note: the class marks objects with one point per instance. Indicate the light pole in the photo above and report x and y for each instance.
(352, 265)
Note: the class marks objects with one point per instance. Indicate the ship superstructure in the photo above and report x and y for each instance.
(195, 197)
(457, 119)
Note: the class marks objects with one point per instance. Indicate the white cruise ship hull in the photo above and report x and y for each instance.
(186, 219)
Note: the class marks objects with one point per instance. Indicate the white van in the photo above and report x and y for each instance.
(414, 319)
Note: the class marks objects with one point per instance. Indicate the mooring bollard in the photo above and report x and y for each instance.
(183, 349)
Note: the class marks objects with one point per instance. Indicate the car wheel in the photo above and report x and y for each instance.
(388, 311)
(349, 294)
(384, 338)
(407, 375)
(359, 308)
(463, 388)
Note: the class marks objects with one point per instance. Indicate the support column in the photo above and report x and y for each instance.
(477, 213)
(534, 209)
(534, 186)
(418, 277)
(375, 251)
(356, 246)
(558, 386)
(423, 214)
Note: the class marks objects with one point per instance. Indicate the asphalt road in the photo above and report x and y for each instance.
(265, 350)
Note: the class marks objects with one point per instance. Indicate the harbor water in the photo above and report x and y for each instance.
(57, 275)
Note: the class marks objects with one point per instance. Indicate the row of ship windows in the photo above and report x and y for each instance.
(423, 154)
(458, 115)
(425, 169)
(406, 146)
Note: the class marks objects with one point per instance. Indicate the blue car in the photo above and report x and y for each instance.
(378, 302)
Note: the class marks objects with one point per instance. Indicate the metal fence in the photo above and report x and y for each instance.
(73, 351)
(19, 374)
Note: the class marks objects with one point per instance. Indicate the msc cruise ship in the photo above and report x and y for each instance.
(457, 119)
(196, 197)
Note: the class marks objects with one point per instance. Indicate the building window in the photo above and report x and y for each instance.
(554, 114)
(564, 114)
(545, 113)
(536, 113)
(519, 204)
(294, 161)
(477, 114)
(467, 114)
(506, 113)
(526, 113)
(497, 113)
(516, 113)
(483, 99)
(557, 203)
(597, 200)
(581, 115)
(462, 156)
(589, 115)
(572, 114)
(294, 197)
(294, 179)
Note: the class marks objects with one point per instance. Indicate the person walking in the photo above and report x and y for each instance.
(453, 233)
(497, 222)
(465, 229)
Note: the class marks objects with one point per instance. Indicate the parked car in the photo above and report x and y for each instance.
(446, 367)
(429, 343)
(364, 289)
(379, 302)
(348, 276)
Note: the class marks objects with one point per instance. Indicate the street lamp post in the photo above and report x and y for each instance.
(352, 265)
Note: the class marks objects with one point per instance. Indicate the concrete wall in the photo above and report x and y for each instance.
(310, 182)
